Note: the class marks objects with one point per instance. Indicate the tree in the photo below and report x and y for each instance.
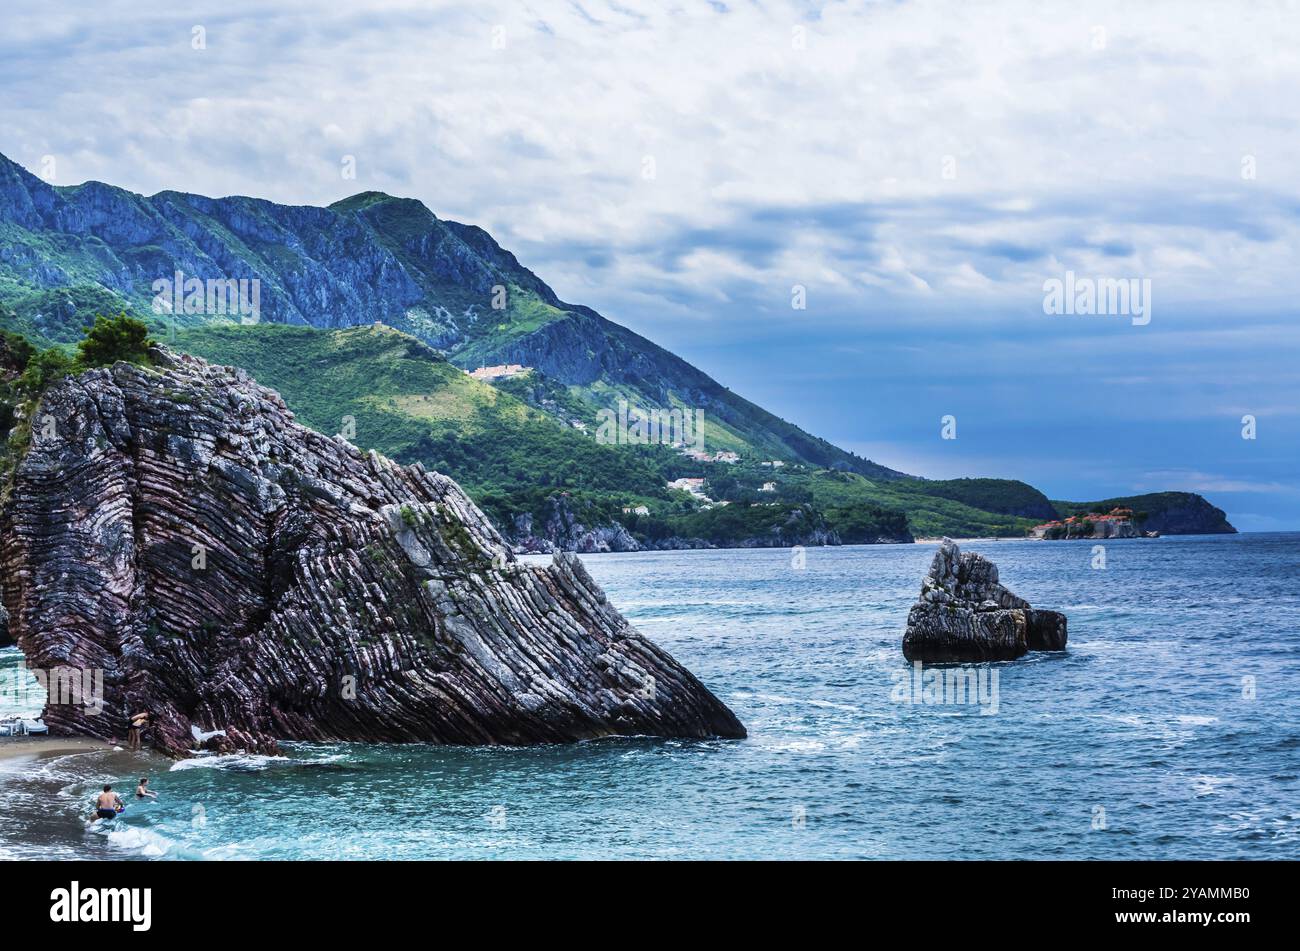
(112, 339)
(15, 348)
(42, 370)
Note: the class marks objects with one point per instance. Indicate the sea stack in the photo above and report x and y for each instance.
(226, 568)
(965, 614)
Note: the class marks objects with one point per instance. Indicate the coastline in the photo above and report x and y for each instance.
(435, 802)
(978, 538)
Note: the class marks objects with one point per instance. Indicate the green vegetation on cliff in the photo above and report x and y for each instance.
(1001, 496)
(929, 515)
(111, 339)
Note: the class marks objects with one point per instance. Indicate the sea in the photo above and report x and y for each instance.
(1169, 729)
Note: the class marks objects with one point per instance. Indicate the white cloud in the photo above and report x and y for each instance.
(543, 141)
(1175, 479)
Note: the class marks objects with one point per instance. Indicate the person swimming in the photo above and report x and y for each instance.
(142, 791)
(108, 804)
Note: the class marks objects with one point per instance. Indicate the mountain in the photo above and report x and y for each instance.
(368, 314)
(71, 252)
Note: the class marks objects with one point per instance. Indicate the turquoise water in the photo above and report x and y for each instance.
(1147, 716)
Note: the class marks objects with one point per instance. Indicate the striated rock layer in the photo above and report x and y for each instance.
(965, 614)
(228, 569)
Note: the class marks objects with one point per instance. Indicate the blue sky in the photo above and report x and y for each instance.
(919, 168)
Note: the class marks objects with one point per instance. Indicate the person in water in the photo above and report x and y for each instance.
(142, 791)
(138, 722)
(108, 804)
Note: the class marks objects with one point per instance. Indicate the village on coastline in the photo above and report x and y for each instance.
(1119, 522)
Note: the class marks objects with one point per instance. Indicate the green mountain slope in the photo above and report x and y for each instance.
(385, 390)
(404, 399)
(73, 252)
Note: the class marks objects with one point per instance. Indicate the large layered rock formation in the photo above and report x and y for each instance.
(12, 364)
(965, 614)
(228, 569)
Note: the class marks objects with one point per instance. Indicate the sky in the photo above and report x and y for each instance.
(913, 173)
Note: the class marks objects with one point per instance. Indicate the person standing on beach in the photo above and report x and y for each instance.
(108, 804)
(138, 722)
(142, 791)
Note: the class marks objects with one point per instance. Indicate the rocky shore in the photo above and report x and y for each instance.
(230, 570)
(560, 529)
(615, 538)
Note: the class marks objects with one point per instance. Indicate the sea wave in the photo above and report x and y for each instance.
(253, 762)
(142, 841)
(802, 701)
(244, 762)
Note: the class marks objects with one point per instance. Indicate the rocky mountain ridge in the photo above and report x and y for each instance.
(74, 250)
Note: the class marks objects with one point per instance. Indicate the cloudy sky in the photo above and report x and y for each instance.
(920, 169)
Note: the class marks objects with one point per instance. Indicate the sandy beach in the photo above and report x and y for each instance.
(12, 747)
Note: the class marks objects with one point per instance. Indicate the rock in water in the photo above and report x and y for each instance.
(229, 569)
(964, 614)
